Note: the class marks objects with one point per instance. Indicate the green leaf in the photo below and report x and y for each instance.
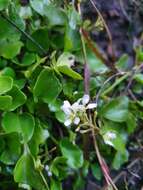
(59, 167)
(39, 5)
(4, 4)
(39, 137)
(114, 135)
(8, 71)
(64, 63)
(69, 72)
(12, 149)
(23, 124)
(5, 102)
(72, 41)
(18, 98)
(28, 59)
(9, 49)
(25, 172)
(7, 31)
(120, 159)
(95, 64)
(72, 153)
(42, 38)
(58, 18)
(139, 78)
(66, 59)
(96, 170)
(55, 185)
(122, 63)
(47, 86)
(131, 123)
(116, 110)
(6, 84)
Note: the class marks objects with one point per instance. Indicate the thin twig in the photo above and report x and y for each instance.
(23, 32)
(106, 27)
(104, 84)
(86, 69)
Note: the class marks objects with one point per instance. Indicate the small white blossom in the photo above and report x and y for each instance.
(76, 120)
(47, 168)
(66, 107)
(68, 122)
(85, 99)
(91, 106)
(49, 173)
(75, 111)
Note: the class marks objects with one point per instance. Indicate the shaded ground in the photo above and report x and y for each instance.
(125, 22)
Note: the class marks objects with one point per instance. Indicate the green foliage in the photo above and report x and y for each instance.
(41, 88)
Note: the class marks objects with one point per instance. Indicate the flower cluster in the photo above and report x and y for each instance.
(75, 112)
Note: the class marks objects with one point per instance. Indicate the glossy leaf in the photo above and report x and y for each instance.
(4, 4)
(47, 86)
(39, 5)
(116, 110)
(25, 172)
(18, 98)
(72, 153)
(10, 49)
(39, 137)
(5, 84)
(23, 124)
(12, 149)
(5, 102)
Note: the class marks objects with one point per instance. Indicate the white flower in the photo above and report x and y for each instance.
(85, 99)
(47, 168)
(66, 107)
(91, 106)
(75, 111)
(68, 122)
(76, 120)
(49, 173)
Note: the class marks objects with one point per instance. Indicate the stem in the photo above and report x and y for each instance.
(115, 84)
(106, 27)
(86, 69)
(102, 163)
(44, 180)
(102, 87)
(86, 82)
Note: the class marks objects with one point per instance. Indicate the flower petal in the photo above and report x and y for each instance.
(76, 120)
(66, 107)
(91, 106)
(68, 122)
(85, 99)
